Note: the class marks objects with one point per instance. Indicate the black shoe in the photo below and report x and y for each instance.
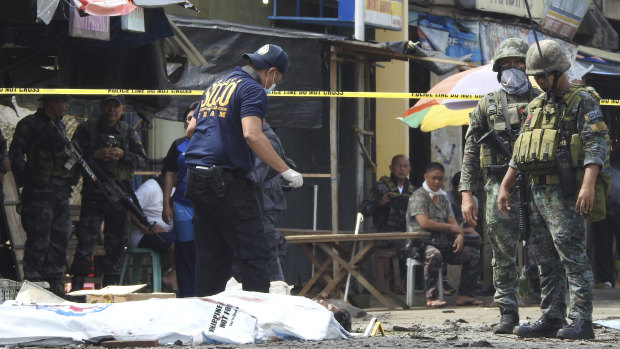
(77, 283)
(579, 329)
(509, 320)
(57, 287)
(543, 327)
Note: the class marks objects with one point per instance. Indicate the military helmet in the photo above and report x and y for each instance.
(553, 53)
(509, 48)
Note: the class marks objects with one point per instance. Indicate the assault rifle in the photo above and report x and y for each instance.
(492, 140)
(113, 189)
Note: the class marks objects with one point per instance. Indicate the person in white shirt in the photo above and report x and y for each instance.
(159, 236)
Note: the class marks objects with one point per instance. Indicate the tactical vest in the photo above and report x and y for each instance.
(121, 170)
(505, 127)
(47, 156)
(396, 218)
(544, 133)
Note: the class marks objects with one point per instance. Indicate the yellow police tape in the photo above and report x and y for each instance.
(172, 92)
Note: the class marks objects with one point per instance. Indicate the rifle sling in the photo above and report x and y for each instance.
(506, 115)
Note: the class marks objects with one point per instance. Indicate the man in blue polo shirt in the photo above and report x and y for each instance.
(227, 135)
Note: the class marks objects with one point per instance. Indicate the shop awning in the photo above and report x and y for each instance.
(598, 68)
(595, 52)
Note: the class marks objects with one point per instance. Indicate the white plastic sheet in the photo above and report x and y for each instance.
(230, 317)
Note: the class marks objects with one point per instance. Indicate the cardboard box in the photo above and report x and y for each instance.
(118, 294)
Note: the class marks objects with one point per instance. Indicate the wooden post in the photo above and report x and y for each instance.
(333, 143)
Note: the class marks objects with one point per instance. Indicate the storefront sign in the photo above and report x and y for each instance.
(512, 7)
(455, 38)
(384, 13)
(564, 17)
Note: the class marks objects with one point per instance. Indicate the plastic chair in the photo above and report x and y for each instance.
(137, 254)
(411, 264)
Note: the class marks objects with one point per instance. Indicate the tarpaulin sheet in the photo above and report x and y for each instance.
(234, 317)
(55, 35)
(222, 45)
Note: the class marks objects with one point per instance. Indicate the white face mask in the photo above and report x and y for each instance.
(514, 81)
(270, 88)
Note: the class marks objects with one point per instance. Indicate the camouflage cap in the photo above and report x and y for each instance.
(553, 54)
(509, 48)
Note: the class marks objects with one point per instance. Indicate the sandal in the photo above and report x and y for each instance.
(435, 303)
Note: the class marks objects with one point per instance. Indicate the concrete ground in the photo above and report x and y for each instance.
(457, 326)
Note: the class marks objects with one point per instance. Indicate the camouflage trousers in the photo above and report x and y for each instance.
(114, 238)
(503, 235)
(561, 255)
(48, 226)
(469, 258)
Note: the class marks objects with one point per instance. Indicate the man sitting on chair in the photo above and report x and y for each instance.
(429, 211)
(387, 201)
(158, 238)
(387, 204)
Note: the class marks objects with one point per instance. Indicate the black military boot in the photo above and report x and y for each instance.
(543, 327)
(77, 282)
(579, 329)
(507, 323)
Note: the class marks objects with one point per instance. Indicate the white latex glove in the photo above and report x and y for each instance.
(293, 177)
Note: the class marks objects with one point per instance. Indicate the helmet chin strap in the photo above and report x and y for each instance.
(556, 77)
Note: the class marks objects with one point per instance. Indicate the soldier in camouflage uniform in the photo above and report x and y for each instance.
(429, 210)
(387, 201)
(561, 250)
(503, 232)
(113, 149)
(38, 159)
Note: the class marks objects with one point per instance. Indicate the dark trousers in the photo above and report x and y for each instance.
(114, 238)
(269, 225)
(48, 226)
(185, 264)
(603, 239)
(227, 222)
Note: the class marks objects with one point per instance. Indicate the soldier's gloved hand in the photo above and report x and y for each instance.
(293, 177)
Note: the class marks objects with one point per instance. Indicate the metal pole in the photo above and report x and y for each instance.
(359, 20)
(316, 191)
(358, 219)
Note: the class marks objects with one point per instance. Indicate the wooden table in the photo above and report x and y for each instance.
(326, 243)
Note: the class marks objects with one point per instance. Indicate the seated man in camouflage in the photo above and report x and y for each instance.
(387, 201)
(387, 204)
(429, 211)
